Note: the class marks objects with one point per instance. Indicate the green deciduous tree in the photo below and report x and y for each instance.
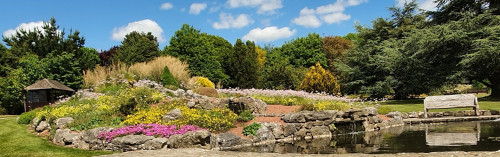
(138, 47)
(334, 48)
(305, 51)
(89, 58)
(207, 55)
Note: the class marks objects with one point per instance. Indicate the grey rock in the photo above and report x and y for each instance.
(264, 134)
(61, 122)
(369, 111)
(228, 139)
(156, 143)
(397, 114)
(59, 136)
(198, 139)
(132, 140)
(257, 106)
(70, 138)
(172, 115)
(301, 133)
(448, 113)
(92, 138)
(289, 129)
(486, 113)
(43, 125)
(320, 131)
(179, 93)
(294, 118)
(412, 115)
(189, 93)
(191, 103)
(275, 128)
(35, 122)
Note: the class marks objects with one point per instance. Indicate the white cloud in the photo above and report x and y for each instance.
(228, 21)
(264, 6)
(335, 17)
(196, 8)
(422, 4)
(214, 9)
(330, 13)
(145, 26)
(166, 6)
(269, 34)
(24, 26)
(307, 18)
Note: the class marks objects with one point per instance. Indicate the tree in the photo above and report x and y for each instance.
(167, 79)
(107, 56)
(320, 80)
(369, 68)
(138, 47)
(207, 55)
(43, 42)
(89, 58)
(305, 51)
(244, 66)
(7, 61)
(334, 48)
(278, 73)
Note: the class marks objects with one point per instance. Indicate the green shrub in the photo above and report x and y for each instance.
(167, 79)
(251, 129)
(245, 116)
(91, 120)
(384, 109)
(27, 117)
(3, 111)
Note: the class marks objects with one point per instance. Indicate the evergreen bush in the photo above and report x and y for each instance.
(167, 79)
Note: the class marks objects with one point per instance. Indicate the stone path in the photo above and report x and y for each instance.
(215, 153)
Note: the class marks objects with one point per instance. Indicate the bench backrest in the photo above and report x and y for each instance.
(450, 101)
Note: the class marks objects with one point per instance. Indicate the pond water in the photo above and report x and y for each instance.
(454, 136)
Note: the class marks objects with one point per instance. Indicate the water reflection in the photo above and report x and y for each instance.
(463, 136)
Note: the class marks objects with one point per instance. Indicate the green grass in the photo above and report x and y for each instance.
(16, 140)
(416, 105)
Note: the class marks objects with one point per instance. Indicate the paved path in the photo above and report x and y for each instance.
(215, 153)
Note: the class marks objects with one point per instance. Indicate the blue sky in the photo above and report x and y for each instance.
(104, 23)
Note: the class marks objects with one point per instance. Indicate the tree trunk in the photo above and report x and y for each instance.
(495, 87)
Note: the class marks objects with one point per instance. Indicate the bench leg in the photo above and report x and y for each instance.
(425, 113)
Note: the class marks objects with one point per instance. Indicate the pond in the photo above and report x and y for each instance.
(453, 136)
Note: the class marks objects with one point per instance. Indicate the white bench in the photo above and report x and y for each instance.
(451, 101)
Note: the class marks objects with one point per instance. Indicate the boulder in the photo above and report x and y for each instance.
(172, 115)
(397, 114)
(59, 136)
(61, 122)
(320, 131)
(412, 115)
(289, 129)
(198, 139)
(179, 93)
(157, 143)
(264, 134)
(131, 140)
(91, 137)
(35, 122)
(43, 125)
(228, 139)
(494, 112)
(257, 106)
(301, 133)
(294, 118)
(191, 103)
(369, 111)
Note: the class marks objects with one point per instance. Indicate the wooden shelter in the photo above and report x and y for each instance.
(45, 92)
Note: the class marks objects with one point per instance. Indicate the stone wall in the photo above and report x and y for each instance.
(306, 126)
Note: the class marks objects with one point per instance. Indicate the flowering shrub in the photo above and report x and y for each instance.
(215, 120)
(148, 130)
(319, 79)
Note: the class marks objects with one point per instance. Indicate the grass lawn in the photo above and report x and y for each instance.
(416, 105)
(16, 140)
